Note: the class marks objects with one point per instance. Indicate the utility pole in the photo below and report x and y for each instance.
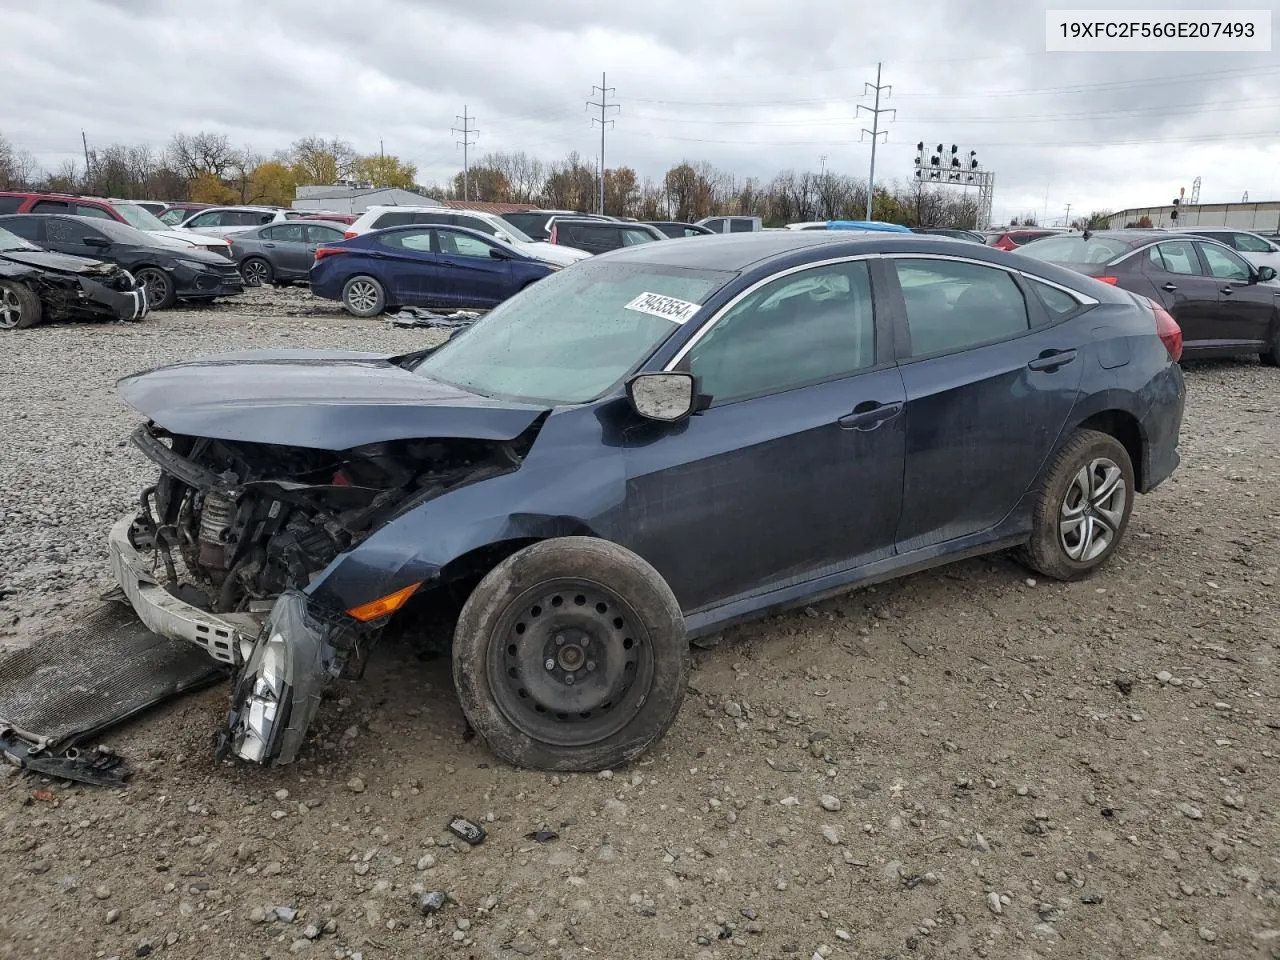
(466, 130)
(822, 166)
(875, 130)
(88, 170)
(604, 105)
(1067, 219)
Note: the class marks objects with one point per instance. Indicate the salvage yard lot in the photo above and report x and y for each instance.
(962, 763)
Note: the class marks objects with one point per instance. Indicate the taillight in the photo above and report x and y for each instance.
(349, 234)
(552, 237)
(322, 252)
(1111, 280)
(1168, 330)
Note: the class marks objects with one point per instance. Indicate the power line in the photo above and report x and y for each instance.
(875, 130)
(465, 142)
(604, 105)
(1090, 144)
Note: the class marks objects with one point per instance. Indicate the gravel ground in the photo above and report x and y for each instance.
(962, 763)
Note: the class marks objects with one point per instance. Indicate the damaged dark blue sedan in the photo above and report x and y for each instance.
(647, 446)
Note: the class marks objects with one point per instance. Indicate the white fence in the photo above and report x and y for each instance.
(1263, 216)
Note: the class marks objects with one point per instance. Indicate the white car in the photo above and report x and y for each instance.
(379, 217)
(141, 218)
(808, 225)
(1259, 251)
(224, 221)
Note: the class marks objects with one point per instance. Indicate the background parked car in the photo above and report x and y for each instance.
(121, 211)
(221, 221)
(732, 224)
(601, 236)
(38, 285)
(1222, 302)
(281, 252)
(153, 207)
(675, 228)
(491, 225)
(168, 273)
(331, 215)
(534, 223)
(425, 266)
(174, 213)
(1015, 237)
(1255, 248)
(971, 235)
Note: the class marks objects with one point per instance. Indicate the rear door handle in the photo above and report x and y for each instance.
(1228, 289)
(1170, 287)
(869, 414)
(268, 244)
(1051, 360)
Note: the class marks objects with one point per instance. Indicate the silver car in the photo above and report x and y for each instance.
(283, 251)
(221, 221)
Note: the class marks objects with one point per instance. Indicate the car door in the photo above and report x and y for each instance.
(1245, 306)
(1180, 284)
(472, 271)
(285, 245)
(795, 468)
(68, 236)
(989, 383)
(408, 266)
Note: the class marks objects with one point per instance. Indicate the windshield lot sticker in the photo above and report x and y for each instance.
(677, 311)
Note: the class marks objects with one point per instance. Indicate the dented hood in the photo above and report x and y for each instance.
(323, 399)
(61, 262)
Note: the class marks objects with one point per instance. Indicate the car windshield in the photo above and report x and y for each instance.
(573, 336)
(122, 233)
(1075, 249)
(11, 241)
(140, 217)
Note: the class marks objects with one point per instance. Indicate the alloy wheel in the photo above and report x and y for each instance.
(362, 295)
(1092, 510)
(255, 272)
(10, 310)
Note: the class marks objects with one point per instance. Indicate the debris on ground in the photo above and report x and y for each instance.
(424, 317)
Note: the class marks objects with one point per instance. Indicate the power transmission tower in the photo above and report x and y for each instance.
(822, 166)
(1195, 192)
(604, 105)
(466, 130)
(875, 130)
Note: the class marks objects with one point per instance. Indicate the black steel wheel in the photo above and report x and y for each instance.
(571, 655)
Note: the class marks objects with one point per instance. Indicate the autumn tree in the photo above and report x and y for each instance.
(383, 170)
(484, 184)
(318, 161)
(207, 188)
(571, 185)
(272, 183)
(689, 193)
(18, 169)
(621, 191)
(526, 176)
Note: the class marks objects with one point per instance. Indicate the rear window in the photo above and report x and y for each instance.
(739, 225)
(50, 206)
(1076, 249)
(10, 204)
(533, 224)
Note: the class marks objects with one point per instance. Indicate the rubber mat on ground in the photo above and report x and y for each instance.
(71, 684)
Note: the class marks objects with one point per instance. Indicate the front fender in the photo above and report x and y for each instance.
(560, 490)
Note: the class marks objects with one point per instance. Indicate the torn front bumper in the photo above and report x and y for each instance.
(125, 305)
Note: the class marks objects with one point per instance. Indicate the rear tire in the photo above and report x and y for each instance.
(20, 306)
(363, 296)
(257, 272)
(571, 655)
(1083, 508)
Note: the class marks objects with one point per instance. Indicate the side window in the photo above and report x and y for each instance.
(1224, 264)
(601, 235)
(953, 305)
(1056, 302)
(173, 217)
(716, 225)
(1176, 256)
(741, 225)
(434, 218)
(84, 210)
(50, 206)
(397, 219)
(801, 329)
(418, 241)
(475, 223)
(632, 237)
(28, 228)
(284, 231)
(1248, 243)
(462, 245)
(317, 234)
(59, 230)
(212, 218)
(10, 204)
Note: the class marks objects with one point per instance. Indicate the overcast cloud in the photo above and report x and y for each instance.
(753, 86)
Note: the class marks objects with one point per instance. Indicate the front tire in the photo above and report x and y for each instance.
(363, 296)
(159, 285)
(571, 655)
(1271, 358)
(1083, 508)
(20, 306)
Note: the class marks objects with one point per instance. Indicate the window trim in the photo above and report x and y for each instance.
(1174, 273)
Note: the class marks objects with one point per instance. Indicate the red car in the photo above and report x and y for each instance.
(121, 211)
(1012, 239)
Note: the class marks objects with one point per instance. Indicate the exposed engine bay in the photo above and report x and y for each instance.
(238, 530)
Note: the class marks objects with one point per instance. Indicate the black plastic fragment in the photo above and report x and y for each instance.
(460, 826)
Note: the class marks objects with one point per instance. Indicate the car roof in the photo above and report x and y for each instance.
(411, 207)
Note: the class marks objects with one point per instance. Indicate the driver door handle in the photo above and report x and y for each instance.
(1228, 289)
(1051, 360)
(869, 414)
(1170, 287)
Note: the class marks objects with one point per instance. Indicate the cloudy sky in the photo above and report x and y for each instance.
(753, 86)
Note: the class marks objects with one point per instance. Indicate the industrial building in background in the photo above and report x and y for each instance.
(1260, 217)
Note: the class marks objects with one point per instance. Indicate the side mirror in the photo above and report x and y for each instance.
(497, 254)
(1266, 273)
(666, 397)
(100, 242)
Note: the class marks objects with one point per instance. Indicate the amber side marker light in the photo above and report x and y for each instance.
(384, 606)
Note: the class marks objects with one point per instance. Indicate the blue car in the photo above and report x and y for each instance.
(649, 446)
(422, 266)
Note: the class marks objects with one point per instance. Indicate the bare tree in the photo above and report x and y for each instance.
(198, 153)
(320, 161)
